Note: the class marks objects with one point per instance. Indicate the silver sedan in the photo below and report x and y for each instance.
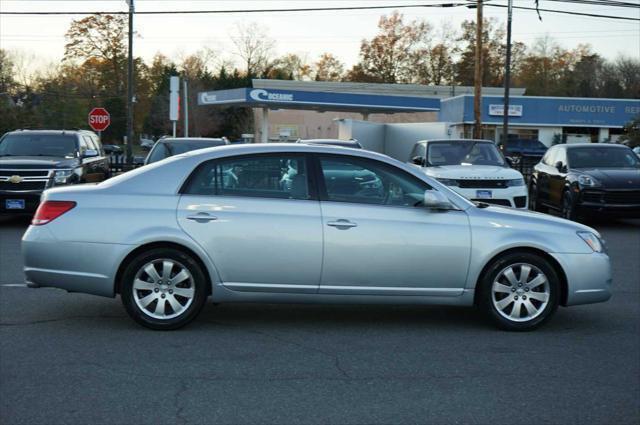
(305, 224)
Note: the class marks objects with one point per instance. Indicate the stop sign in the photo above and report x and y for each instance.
(99, 119)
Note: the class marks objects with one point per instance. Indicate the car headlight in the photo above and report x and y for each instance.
(592, 240)
(448, 182)
(515, 182)
(588, 181)
(62, 176)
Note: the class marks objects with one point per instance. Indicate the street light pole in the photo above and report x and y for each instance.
(477, 97)
(507, 79)
(130, 87)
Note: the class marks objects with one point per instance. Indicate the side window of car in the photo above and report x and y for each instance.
(419, 150)
(259, 176)
(90, 143)
(98, 145)
(158, 152)
(83, 145)
(356, 180)
(561, 156)
(549, 156)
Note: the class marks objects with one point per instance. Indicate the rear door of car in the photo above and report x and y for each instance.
(378, 240)
(258, 218)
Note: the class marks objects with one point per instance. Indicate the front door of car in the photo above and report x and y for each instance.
(378, 239)
(557, 178)
(544, 168)
(258, 218)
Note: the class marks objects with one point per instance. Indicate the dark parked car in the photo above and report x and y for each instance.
(587, 178)
(522, 147)
(146, 144)
(351, 143)
(169, 146)
(113, 149)
(34, 160)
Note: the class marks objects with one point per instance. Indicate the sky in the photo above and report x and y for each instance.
(41, 38)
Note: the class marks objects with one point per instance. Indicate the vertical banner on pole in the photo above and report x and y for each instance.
(174, 101)
(186, 108)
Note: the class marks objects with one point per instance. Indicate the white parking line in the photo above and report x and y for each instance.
(14, 285)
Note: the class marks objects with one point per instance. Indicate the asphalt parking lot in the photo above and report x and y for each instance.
(78, 359)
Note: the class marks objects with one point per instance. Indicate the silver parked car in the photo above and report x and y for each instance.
(285, 223)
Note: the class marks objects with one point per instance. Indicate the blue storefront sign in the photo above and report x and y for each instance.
(544, 111)
(273, 98)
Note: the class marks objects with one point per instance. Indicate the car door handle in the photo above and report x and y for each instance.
(202, 217)
(342, 224)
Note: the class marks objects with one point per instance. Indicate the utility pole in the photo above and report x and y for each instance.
(477, 98)
(507, 79)
(130, 88)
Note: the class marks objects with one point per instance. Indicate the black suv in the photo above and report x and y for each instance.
(523, 147)
(587, 179)
(34, 160)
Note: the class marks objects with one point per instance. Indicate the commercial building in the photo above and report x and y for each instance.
(287, 110)
(548, 119)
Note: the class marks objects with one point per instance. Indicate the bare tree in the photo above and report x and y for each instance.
(253, 46)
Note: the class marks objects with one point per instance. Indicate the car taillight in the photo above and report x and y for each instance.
(50, 210)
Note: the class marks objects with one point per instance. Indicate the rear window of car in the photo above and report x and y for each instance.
(166, 149)
(58, 145)
(257, 176)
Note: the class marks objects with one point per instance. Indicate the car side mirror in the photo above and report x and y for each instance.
(89, 153)
(509, 161)
(435, 200)
(559, 166)
(417, 160)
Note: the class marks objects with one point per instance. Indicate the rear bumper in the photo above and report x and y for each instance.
(588, 277)
(73, 266)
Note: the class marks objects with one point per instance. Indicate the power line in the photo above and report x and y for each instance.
(592, 15)
(230, 11)
(600, 3)
(341, 8)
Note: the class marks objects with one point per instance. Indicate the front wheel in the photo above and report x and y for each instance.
(163, 289)
(568, 207)
(534, 203)
(520, 291)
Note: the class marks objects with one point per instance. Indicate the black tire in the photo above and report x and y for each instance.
(194, 287)
(515, 260)
(568, 209)
(534, 204)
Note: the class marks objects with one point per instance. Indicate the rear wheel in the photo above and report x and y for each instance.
(163, 289)
(520, 291)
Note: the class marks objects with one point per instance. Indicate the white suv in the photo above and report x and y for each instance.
(473, 168)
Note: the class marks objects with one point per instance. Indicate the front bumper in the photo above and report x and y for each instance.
(515, 197)
(31, 201)
(588, 277)
(623, 203)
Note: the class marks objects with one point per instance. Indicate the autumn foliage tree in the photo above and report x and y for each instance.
(328, 68)
(391, 55)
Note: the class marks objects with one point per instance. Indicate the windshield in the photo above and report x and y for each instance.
(463, 152)
(166, 149)
(602, 157)
(38, 145)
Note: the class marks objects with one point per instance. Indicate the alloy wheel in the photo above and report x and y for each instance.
(163, 288)
(520, 292)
